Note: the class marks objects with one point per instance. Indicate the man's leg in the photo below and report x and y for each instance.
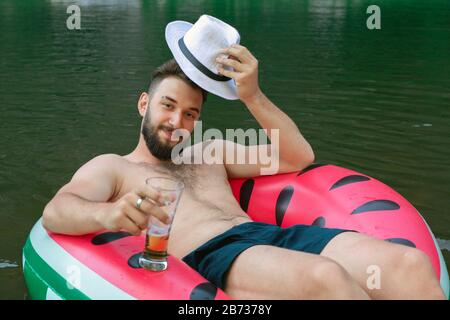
(405, 272)
(267, 272)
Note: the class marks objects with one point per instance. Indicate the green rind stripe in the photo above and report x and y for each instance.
(52, 279)
(37, 288)
(61, 262)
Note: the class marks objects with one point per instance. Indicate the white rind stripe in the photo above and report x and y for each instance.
(51, 295)
(77, 274)
(443, 268)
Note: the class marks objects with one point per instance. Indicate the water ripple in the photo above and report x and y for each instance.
(443, 244)
(4, 264)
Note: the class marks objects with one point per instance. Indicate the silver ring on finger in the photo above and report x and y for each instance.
(139, 203)
(142, 227)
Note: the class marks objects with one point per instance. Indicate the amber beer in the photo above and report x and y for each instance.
(154, 256)
(156, 246)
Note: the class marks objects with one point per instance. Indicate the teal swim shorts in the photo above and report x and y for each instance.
(214, 258)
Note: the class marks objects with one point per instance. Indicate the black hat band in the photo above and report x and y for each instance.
(198, 64)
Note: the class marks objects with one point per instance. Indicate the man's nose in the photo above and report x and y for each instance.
(175, 120)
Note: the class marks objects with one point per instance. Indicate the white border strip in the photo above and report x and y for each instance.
(51, 295)
(78, 275)
(444, 280)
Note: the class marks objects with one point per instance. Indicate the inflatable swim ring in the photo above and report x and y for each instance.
(105, 265)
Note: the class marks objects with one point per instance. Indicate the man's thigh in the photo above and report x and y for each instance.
(361, 255)
(268, 272)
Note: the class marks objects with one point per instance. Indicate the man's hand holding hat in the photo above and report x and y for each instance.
(245, 72)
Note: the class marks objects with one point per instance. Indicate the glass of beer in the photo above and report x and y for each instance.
(154, 256)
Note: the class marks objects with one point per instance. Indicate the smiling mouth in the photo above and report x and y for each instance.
(167, 134)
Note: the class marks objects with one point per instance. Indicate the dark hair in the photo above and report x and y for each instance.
(172, 69)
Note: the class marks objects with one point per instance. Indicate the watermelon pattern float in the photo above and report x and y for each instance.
(105, 265)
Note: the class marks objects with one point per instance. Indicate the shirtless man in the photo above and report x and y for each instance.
(103, 194)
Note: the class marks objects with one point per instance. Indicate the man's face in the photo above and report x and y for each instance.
(173, 105)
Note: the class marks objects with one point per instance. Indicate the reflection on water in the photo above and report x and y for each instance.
(373, 101)
(7, 264)
(444, 244)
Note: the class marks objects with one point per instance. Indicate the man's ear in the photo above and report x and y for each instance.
(143, 103)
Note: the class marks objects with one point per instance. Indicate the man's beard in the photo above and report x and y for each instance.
(157, 148)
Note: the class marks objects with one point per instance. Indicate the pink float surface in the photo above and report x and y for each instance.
(117, 262)
(327, 196)
(335, 197)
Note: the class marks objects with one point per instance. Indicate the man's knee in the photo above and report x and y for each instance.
(324, 280)
(415, 260)
(413, 269)
(412, 265)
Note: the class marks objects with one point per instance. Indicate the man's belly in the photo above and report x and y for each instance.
(196, 225)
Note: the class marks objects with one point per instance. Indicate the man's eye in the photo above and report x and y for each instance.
(167, 105)
(190, 115)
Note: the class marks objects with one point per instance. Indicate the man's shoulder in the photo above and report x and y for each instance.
(108, 157)
(105, 161)
(205, 143)
(198, 148)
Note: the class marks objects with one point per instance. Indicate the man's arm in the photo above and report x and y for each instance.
(82, 206)
(290, 147)
(76, 206)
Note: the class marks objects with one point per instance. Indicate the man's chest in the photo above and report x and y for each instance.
(199, 180)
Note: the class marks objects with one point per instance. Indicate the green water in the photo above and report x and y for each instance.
(373, 101)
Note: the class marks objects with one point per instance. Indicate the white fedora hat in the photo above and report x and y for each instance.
(195, 48)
